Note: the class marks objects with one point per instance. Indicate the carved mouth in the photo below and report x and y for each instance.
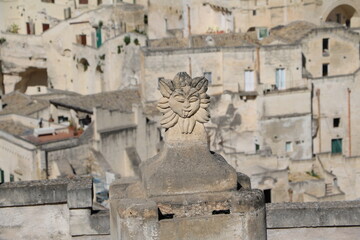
(186, 112)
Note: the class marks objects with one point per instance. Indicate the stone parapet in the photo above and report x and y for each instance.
(313, 214)
(219, 215)
(76, 192)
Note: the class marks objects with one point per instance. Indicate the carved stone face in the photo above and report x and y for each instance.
(185, 103)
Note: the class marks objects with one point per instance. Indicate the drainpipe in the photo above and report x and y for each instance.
(319, 119)
(349, 120)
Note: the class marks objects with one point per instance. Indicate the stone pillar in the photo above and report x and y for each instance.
(186, 191)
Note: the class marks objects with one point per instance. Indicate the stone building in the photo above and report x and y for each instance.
(92, 46)
(163, 204)
(186, 17)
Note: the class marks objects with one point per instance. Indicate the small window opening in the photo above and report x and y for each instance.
(325, 69)
(164, 216)
(325, 47)
(288, 147)
(12, 178)
(38, 89)
(146, 21)
(303, 61)
(2, 176)
(267, 194)
(216, 212)
(254, 12)
(338, 18)
(257, 147)
(62, 119)
(336, 122)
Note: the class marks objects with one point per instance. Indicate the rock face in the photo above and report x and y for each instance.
(186, 191)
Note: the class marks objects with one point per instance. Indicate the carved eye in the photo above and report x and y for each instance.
(193, 99)
(180, 99)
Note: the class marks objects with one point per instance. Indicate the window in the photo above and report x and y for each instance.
(67, 13)
(325, 69)
(336, 122)
(257, 147)
(254, 12)
(83, 1)
(208, 76)
(30, 28)
(303, 59)
(81, 39)
(45, 26)
(262, 33)
(12, 178)
(249, 80)
(336, 145)
(38, 89)
(288, 147)
(99, 2)
(280, 78)
(146, 21)
(325, 47)
(48, 1)
(338, 18)
(62, 119)
(2, 176)
(267, 194)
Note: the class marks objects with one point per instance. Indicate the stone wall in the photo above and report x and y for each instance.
(62, 209)
(51, 209)
(326, 220)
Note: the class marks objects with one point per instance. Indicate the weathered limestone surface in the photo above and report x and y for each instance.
(186, 191)
(313, 214)
(187, 166)
(51, 209)
(315, 220)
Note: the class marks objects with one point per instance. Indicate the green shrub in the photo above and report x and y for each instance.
(127, 40)
(14, 28)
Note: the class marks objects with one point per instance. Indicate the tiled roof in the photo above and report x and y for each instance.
(14, 128)
(116, 100)
(290, 33)
(22, 104)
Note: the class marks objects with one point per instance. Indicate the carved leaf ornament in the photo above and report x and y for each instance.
(184, 102)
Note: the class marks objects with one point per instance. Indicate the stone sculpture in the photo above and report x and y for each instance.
(184, 102)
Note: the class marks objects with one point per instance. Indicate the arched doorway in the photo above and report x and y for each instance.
(345, 15)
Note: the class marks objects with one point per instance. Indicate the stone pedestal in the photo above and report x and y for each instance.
(221, 216)
(186, 191)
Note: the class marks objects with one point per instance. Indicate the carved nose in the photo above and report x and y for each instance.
(186, 104)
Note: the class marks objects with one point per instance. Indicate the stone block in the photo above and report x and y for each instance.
(218, 215)
(135, 219)
(33, 192)
(79, 193)
(243, 181)
(313, 214)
